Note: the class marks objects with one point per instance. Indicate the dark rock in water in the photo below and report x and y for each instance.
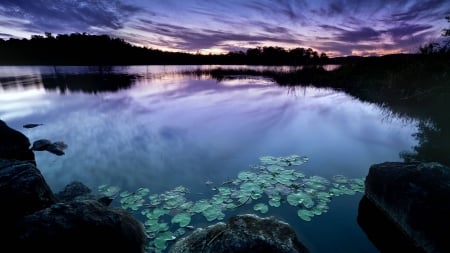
(242, 233)
(80, 226)
(41, 145)
(381, 231)
(54, 148)
(31, 125)
(72, 191)
(105, 200)
(416, 198)
(23, 190)
(14, 145)
(78, 191)
(60, 145)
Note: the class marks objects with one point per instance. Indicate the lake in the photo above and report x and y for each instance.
(169, 139)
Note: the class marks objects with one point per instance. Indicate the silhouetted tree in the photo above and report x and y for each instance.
(438, 48)
(86, 49)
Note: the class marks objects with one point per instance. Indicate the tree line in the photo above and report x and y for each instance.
(87, 49)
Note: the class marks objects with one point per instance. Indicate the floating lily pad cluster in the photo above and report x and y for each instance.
(274, 182)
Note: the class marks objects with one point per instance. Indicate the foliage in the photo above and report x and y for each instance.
(86, 49)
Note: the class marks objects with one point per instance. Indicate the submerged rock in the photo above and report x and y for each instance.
(56, 148)
(41, 145)
(242, 233)
(78, 191)
(416, 198)
(32, 125)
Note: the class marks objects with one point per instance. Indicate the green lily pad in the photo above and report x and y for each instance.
(212, 213)
(305, 215)
(152, 225)
(245, 175)
(298, 198)
(125, 194)
(183, 219)
(160, 241)
(263, 208)
(274, 168)
(200, 206)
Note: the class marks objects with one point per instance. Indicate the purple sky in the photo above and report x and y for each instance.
(337, 27)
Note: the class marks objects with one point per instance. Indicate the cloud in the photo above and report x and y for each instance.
(291, 10)
(67, 16)
(6, 35)
(362, 34)
(422, 10)
(195, 39)
(191, 25)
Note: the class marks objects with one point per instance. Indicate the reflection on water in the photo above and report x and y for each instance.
(143, 126)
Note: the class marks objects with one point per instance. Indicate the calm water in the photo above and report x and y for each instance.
(151, 127)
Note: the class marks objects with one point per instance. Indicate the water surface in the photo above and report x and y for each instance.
(151, 127)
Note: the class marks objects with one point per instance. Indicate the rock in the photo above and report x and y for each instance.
(23, 190)
(416, 198)
(32, 125)
(41, 145)
(72, 191)
(78, 191)
(14, 145)
(54, 148)
(381, 231)
(242, 233)
(80, 226)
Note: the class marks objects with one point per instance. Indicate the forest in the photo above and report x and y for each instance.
(87, 49)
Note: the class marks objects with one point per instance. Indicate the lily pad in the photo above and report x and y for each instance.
(200, 206)
(305, 215)
(183, 219)
(298, 198)
(263, 208)
(212, 213)
(160, 242)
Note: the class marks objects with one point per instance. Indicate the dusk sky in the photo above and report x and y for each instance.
(336, 27)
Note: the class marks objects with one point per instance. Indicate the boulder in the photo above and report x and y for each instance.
(242, 233)
(381, 231)
(23, 190)
(14, 145)
(80, 226)
(416, 198)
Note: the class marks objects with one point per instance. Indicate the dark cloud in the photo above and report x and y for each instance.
(6, 35)
(292, 10)
(409, 30)
(359, 35)
(332, 9)
(405, 37)
(363, 34)
(195, 39)
(67, 16)
(422, 10)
